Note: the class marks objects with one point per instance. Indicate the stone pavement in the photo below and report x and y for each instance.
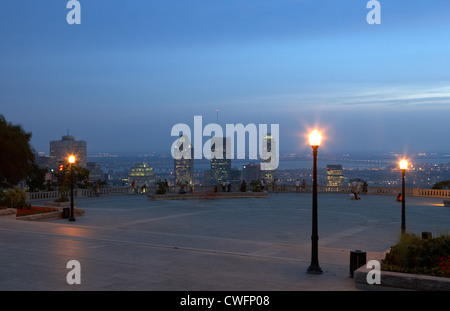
(131, 243)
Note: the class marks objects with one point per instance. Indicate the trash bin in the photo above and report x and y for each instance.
(65, 212)
(357, 259)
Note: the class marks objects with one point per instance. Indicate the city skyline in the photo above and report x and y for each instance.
(130, 71)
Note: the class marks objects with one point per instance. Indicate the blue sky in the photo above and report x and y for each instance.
(133, 69)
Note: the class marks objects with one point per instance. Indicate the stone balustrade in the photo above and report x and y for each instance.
(79, 193)
(414, 192)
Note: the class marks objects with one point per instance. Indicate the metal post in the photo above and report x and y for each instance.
(71, 218)
(403, 202)
(314, 266)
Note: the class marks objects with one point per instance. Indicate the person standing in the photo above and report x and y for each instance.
(365, 187)
(243, 186)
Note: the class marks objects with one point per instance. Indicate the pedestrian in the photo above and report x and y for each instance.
(297, 185)
(243, 186)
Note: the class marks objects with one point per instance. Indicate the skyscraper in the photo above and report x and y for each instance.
(335, 177)
(60, 150)
(220, 168)
(184, 168)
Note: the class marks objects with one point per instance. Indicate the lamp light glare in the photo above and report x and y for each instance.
(403, 164)
(72, 159)
(315, 138)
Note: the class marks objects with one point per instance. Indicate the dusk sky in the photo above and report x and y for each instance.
(133, 69)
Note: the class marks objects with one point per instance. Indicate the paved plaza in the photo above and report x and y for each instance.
(258, 244)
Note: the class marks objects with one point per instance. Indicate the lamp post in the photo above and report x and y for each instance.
(71, 162)
(314, 140)
(403, 167)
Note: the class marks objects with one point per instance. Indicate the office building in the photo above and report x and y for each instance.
(141, 174)
(335, 177)
(183, 167)
(220, 168)
(60, 150)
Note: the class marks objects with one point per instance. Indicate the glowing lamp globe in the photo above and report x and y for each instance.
(403, 164)
(72, 159)
(315, 138)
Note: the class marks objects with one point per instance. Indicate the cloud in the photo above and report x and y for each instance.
(352, 96)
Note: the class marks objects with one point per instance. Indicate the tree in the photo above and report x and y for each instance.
(80, 177)
(442, 185)
(35, 179)
(16, 154)
(16, 199)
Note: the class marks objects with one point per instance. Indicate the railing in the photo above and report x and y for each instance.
(116, 191)
(47, 195)
(414, 192)
(438, 193)
(79, 193)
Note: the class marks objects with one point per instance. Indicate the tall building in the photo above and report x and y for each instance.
(60, 150)
(335, 177)
(268, 145)
(95, 172)
(220, 168)
(184, 168)
(251, 172)
(236, 176)
(141, 174)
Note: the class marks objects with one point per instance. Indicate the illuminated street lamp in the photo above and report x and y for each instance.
(314, 140)
(403, 167)
(71, 162)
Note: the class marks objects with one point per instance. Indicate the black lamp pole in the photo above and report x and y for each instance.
(403, 201)
(71, 218)
(314, 266)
